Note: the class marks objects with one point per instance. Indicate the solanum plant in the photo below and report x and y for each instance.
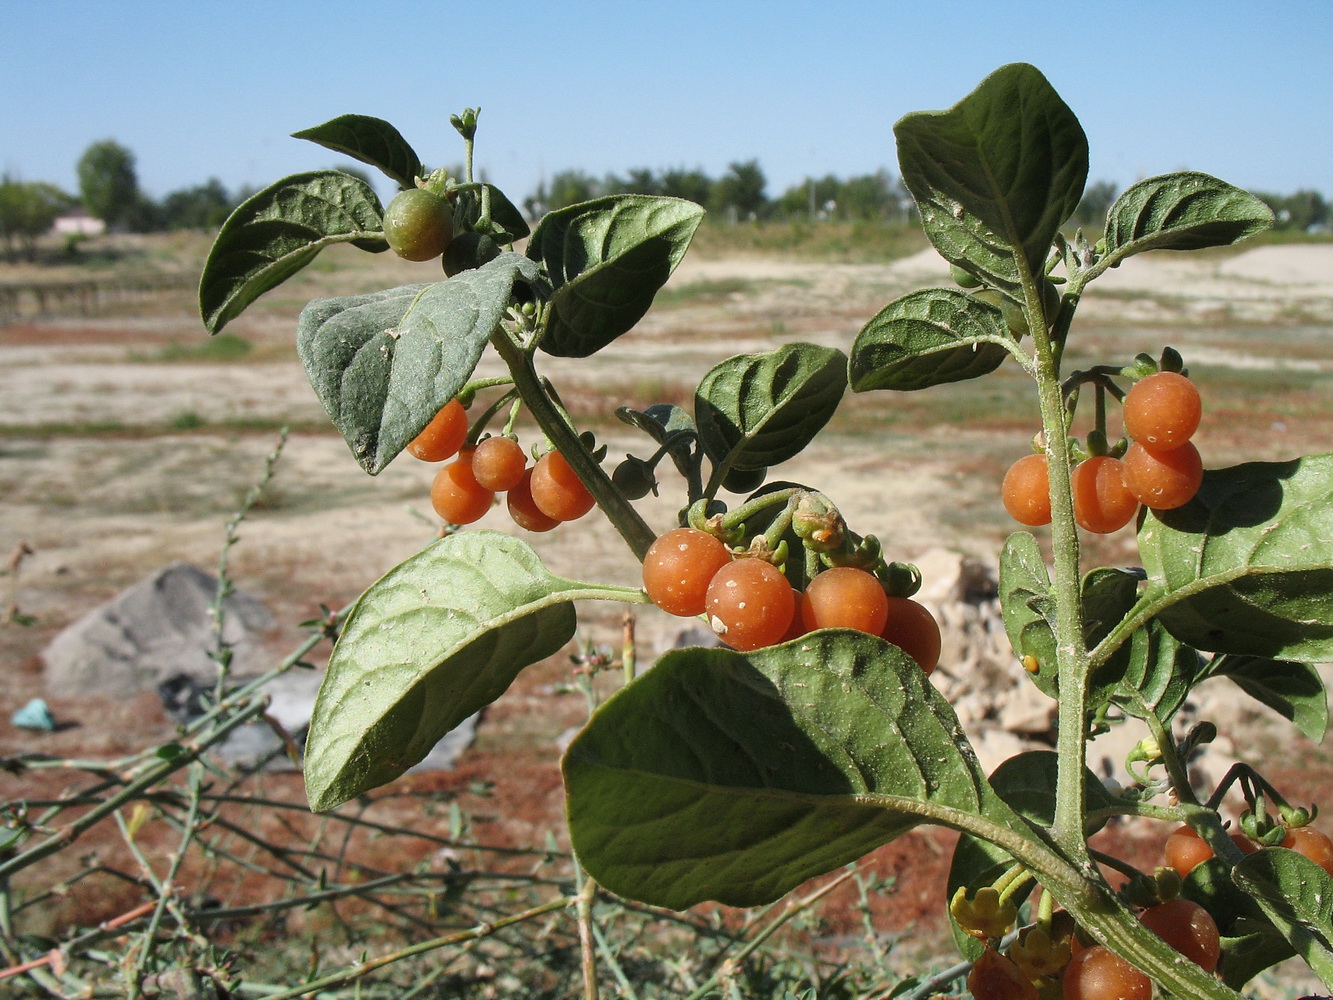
(730, 775)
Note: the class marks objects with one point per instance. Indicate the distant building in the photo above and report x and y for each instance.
(78, 222)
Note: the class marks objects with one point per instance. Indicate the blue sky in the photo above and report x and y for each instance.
(198, 89)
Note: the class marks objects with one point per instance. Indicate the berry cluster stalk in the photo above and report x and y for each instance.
(632, 527)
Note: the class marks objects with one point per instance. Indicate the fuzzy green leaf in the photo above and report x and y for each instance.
(1250, 943)
(1293, 690)
(927, 338)
(1152, 673)
(736, 776)
(1157, 674)
(996, 175)
(758, 410)
(437, 638)
(1292, 887)
(1028, 608)
(605, 261)
(385, 363)
(1245, 567)
(279, 230)
(1182, 211)
(370, 140)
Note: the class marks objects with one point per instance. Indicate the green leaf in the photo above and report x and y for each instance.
(1250, 943)
(1246, 955)
(383, 364)
(1158, 673)
(758, 410)
(1028, 608)
(736, 776)
(1108, 594)
(276, 232)
(437, 638)
(605, 260)
(370, 140)
(1027, 783)
(1152, 673)
(1294, 888)
(927, 338)
(1293, 690)
(997, 174)
(1246, 567)
(1182, 211)
(507, 222)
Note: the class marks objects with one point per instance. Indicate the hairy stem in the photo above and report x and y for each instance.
(1071, 649)
(633, 528)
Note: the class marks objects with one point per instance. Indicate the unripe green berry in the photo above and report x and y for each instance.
(418, 225)
(964, 279)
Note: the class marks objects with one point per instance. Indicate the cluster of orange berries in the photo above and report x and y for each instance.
(537, 497)
(1185, 849)
(1096, 973)
(1161, 469)
(750, 603)
(1050, 957)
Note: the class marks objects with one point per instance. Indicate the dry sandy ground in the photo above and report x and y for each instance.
(101, 510)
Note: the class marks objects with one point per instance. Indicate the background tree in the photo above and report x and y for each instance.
(109, 185)
(27, 211)
(1092, 208)
(692, 185)
(814, 197)
(1301, 211)
(868, 197)
(739, 193)
(568, 187)
(204, 206)
(859, 198)
(639, 180)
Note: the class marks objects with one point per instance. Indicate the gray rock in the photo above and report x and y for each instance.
(292, 703)
(158, 628)
(951, 577)
(995, 746)
(1027, 711)
(445, 754)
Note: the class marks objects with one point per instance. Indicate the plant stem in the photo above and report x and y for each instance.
(1071, 649)
(1073, 879)
(167, 887)
(633, 528)
(1175, 767)
(628, 646)
(587, 947)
